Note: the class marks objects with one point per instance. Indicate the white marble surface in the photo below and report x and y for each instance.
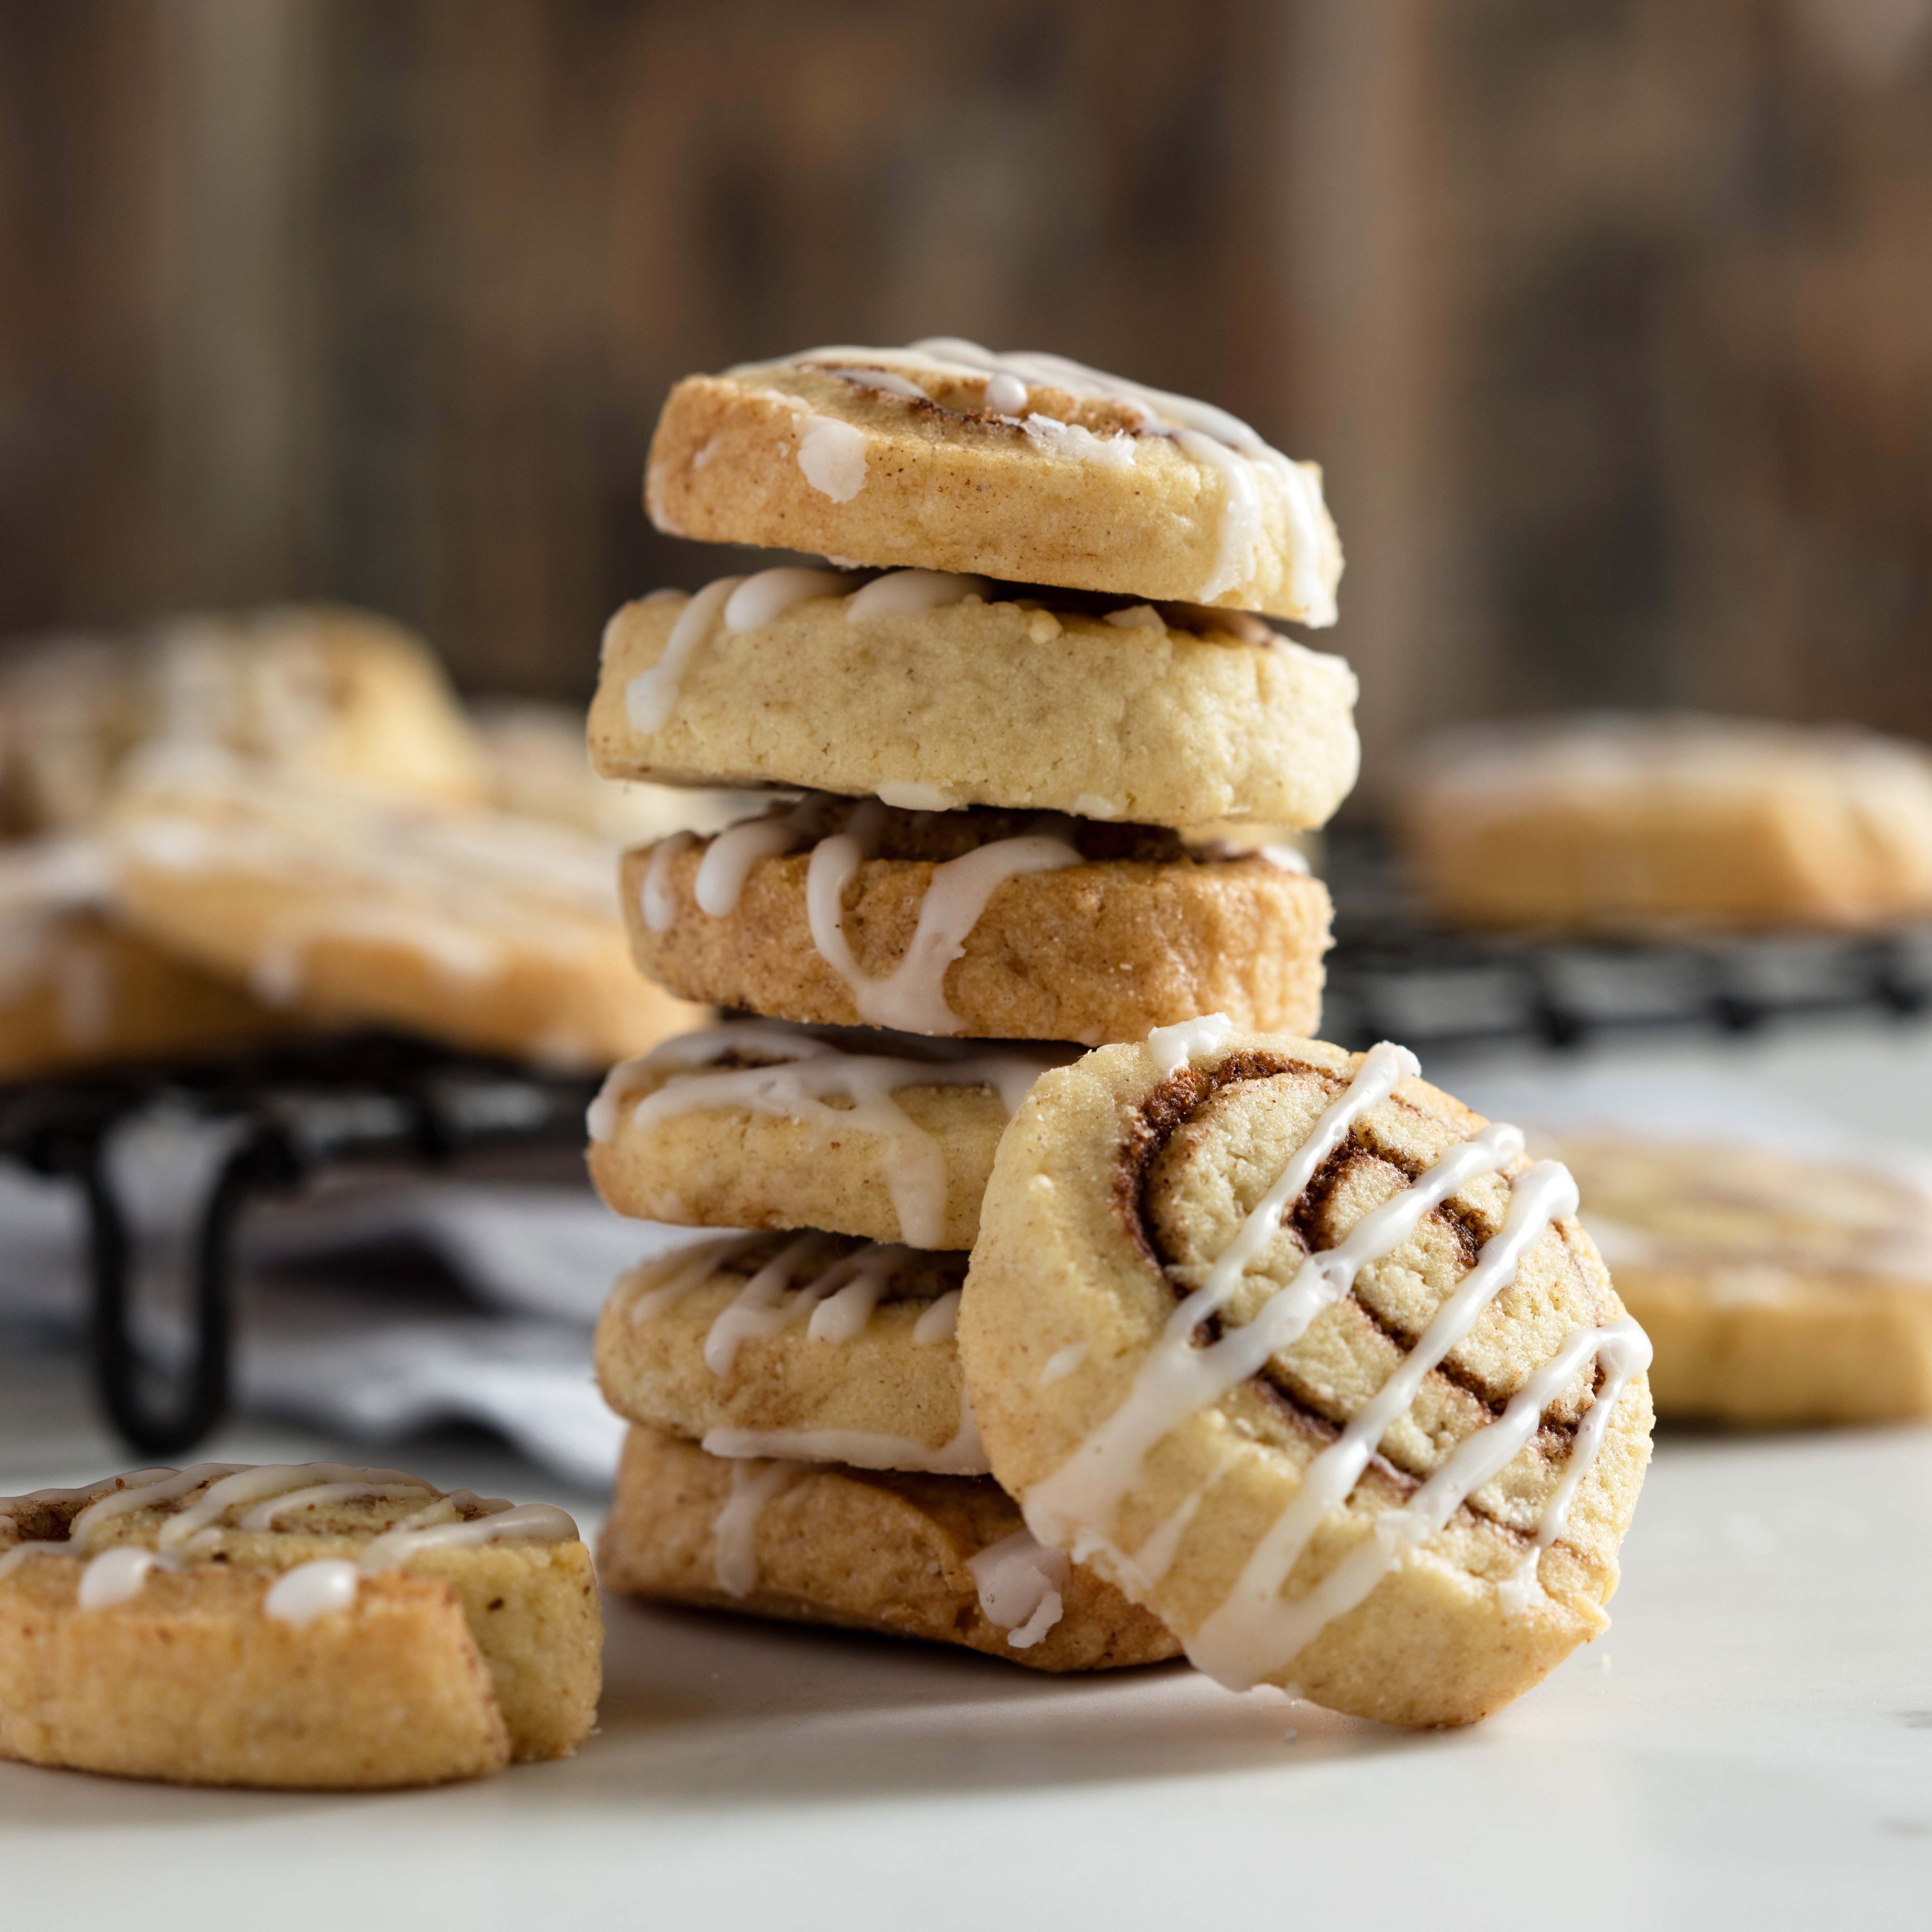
(1750, 1745)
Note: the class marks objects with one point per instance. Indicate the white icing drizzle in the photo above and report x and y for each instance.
(843, 1315)
(313, 1590)
(768, 594)
(1284, 858)
(729, 858)
(1076, 1503)
(651, 696)
(1019, 1581)
(1062, 1363)
(734, 1559)
(655, 899)
(809, 1073)
(1155, 1557)
(1006, 395)
(1138, 617)
(906, 593)
(1175, 1047)
(1253, 1624)
(832, 455)
(528, 1522)
(915, 795)
(759, 1310)
(1091, 805)
(1073, 442)
(964, 1455)
(198, 1526)
(666, 1282)
(913, 995)
(1256, 1632)
(889, 380)
(940, 1323)
(116, 1576)
(1210, 436)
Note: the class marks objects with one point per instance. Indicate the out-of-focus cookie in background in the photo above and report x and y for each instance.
(238, 825)
(1776, 1290)
(1632, 824)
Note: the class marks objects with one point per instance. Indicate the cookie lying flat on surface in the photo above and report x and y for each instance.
(335, 694)
(994, 925)
(490, 931)
(1026, 467)
(1774, 1290)
(943, 1557)
(1621, 822)
(1302, 1354)
(312, 1625)
(77, 991)
(940, 691)
(800, 1344)
(758, 1124)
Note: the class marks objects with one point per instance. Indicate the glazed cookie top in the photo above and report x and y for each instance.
(1029, 467)
(928, 688)
(797, 1344)
(706, 916)
(323, 1526)
(846, 1082)
(338, 694)
(1752, 1213)
(1280, 1336)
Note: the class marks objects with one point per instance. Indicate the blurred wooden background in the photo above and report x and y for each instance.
(1611, 319)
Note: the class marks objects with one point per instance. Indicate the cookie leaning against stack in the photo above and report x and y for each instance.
(991, 861)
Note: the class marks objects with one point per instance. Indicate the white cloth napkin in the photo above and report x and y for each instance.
(331, 1331)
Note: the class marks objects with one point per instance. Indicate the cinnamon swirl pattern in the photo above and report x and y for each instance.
(1314, 1363)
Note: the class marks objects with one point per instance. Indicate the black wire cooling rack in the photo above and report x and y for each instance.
(295, 1109)
(302, 1107)
(1394, 975)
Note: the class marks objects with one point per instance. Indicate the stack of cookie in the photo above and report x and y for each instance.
(1034, 748)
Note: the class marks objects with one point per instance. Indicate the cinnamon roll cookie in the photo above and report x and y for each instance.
(1776, 1291)
(313, 1625)
(77, 990)
(1624, 822)
(488, 931)
(943, 1557)
(804, 1345)
(340, 695)
(1309, 1359)
(991, 924)
(1027, 467)
(935, 690)
(758, 1124)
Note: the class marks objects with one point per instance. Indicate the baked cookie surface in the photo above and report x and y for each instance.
(1028, 468)
(797, 1345)
(994, 925)
(333, 694)
(1624, 823)
(758, 1124)
(1776, 1291)
(488, 931)
(76, 990)
(944, 691)
(312, 1625)
(943, 1557)
(1304, 1355)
